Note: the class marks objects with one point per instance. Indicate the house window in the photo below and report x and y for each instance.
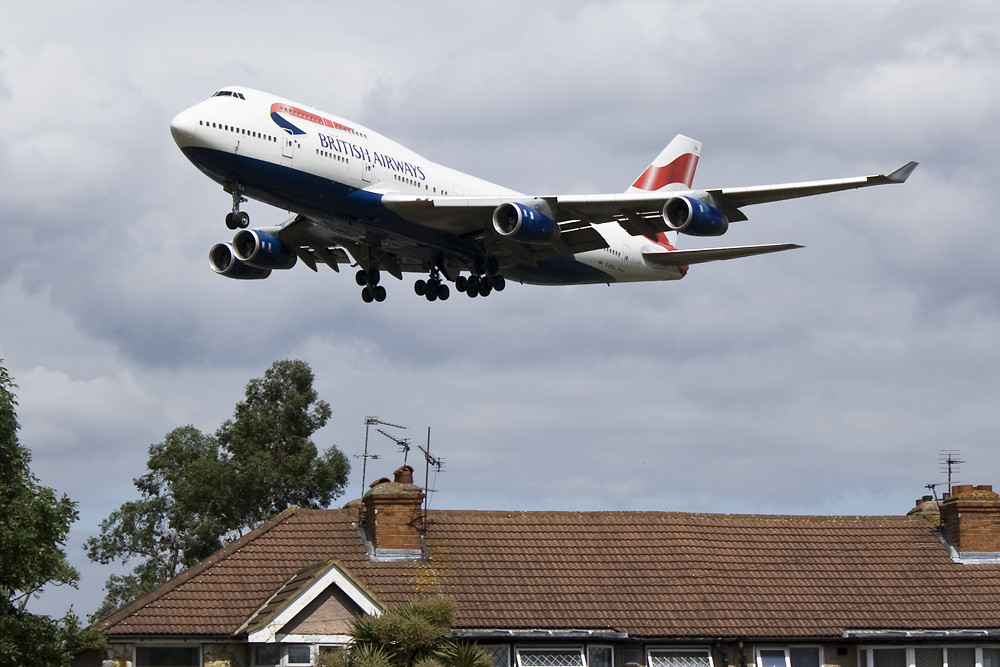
(167, 656)
(600, 656)
(772, 657)
(804, 656)
(889, 657)
(550, 657)
(268, 655)
(794, 656)
(276, 655)
(298, 655)
(679, 658)
(930, 656)
(501, 654)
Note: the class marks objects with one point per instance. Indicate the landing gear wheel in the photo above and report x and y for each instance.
(461, 283)
(361, 277)
(231, 220)
(499, 282)
(242, 219)
(420, 287)
(443, 292)
(366, 295)
(379, 293)
(485, 288)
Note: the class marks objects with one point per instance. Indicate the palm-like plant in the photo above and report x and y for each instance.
(414, 634)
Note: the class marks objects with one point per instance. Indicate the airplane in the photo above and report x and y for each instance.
(361, 199)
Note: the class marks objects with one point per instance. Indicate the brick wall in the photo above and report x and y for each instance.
(971, 517)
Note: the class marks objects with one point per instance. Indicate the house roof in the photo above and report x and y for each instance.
(648, 574)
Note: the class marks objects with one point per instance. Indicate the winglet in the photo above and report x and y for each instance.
(903, 173)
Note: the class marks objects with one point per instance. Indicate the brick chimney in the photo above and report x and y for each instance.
(393, 518)
(971, 518)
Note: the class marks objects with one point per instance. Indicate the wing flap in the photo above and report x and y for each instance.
(700, 256)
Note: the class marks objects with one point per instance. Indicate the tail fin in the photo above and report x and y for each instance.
(673, 168)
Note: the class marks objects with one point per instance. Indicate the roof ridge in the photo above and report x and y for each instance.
(199, 567)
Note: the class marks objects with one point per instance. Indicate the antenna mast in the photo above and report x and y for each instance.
(948, 461)
(429, 461)
(371, 421)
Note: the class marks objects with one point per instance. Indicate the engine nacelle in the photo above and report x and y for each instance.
(694, 217)
(224, 261)
(524, 224)
(262, 250)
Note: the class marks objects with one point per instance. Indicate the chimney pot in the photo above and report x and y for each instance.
(403, 475)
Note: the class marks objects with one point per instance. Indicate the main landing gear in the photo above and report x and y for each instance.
(484, 279)
(237, 219)
(370, 289)
(433, 288)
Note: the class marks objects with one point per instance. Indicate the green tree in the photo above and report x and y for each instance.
(202, 491)
(33, 535)
(414, 634)
(275, 463)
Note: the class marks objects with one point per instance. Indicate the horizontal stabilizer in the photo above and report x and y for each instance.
(687, 257)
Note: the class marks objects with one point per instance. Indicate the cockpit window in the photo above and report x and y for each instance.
(229, 93)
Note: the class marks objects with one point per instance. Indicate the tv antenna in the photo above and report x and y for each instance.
(372, 421)
(948, 461)
(402, 443)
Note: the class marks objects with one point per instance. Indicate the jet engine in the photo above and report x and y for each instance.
(262, 250)
(224, 261)
(524, 224)
(694, 217)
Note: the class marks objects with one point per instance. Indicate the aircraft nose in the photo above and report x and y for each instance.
(183, 128)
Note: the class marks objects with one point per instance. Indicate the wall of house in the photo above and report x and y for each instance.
(331, 613)
(225, 655)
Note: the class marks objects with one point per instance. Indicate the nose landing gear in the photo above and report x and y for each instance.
(237, 219)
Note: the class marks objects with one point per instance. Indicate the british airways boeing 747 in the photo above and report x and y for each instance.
(361, 199)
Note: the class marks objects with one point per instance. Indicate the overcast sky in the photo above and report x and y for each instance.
(825, 380)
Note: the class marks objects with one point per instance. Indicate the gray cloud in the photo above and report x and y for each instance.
(824, 380)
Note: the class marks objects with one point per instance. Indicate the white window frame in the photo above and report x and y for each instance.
(788, 653)
(759, 660)
(911, 659)
(578, 649)
(650, 650)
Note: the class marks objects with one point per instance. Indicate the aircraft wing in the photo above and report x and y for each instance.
(637, 212)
